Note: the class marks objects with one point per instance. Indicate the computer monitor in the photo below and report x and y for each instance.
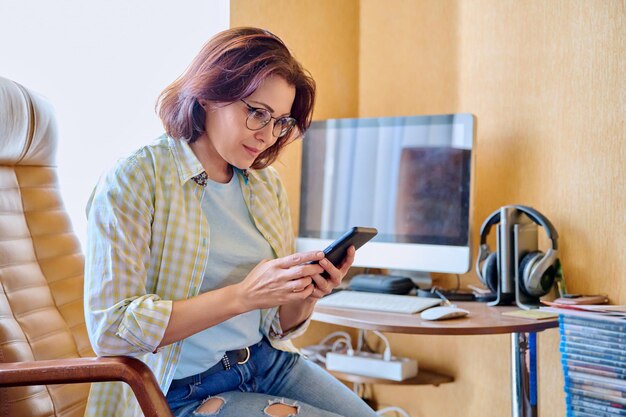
(409, 177)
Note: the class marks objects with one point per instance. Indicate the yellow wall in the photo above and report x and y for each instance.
(546, 82)
(324, 37)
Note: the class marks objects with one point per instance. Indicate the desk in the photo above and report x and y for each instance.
(482, 320)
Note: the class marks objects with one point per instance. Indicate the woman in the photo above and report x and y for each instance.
(180, 237)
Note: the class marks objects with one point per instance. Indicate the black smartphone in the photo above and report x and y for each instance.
(357, 236)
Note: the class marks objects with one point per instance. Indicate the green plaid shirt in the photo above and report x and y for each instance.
(147, 245)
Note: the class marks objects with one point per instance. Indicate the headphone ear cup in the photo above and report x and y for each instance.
(526, 269)
(490, 272)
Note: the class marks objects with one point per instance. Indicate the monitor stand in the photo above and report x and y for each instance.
(419, 278)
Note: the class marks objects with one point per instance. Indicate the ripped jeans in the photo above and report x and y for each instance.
(269, 378)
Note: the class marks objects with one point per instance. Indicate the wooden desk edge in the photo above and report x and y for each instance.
(482, 320)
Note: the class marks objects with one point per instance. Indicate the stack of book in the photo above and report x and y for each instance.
(593, 352)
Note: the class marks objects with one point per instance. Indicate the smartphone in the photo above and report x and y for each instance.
(356, 236)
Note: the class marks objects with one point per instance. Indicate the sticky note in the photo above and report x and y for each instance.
(531, 314)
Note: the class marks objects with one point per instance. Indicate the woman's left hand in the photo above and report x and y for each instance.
(324, 286)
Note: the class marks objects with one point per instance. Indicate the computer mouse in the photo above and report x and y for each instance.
(443, 313)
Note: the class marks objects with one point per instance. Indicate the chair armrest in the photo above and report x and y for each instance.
(78, 370)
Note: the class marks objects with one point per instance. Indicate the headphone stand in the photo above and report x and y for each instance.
(516, 236)
(517, 272)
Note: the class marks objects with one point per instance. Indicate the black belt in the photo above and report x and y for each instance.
(239, 357)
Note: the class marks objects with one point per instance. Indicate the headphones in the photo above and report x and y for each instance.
(537, 271)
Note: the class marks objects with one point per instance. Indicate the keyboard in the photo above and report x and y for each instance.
(389, 303)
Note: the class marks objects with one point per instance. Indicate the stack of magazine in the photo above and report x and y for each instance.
(593, 352)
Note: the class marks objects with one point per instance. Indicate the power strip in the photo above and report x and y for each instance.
(372, 364)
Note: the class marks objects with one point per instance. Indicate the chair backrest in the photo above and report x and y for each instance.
(41, 265)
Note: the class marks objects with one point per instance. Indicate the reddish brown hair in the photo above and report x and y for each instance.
(231, 66)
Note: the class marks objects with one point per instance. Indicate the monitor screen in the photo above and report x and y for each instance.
(409, 177)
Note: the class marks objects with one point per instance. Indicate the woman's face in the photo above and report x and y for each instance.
(229, 140)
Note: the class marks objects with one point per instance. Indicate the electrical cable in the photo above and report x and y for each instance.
(345, 340)
(396, 409)
(346, 343)
(346, 336)
(362, 345)
(387, 352)
(318, 352)
(359, 388)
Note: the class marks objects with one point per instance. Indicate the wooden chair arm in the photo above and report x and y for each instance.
(78, 370)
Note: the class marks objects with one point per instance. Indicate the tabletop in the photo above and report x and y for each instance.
(481, 320)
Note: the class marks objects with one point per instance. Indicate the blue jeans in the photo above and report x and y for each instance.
(270, 377)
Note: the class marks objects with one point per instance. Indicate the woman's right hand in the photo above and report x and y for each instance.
(280, 281)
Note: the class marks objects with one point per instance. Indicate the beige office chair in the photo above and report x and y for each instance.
(43, 339)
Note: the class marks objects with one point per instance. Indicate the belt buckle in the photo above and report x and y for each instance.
(247, 357)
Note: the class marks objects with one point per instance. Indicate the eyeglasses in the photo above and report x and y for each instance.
(258, 118)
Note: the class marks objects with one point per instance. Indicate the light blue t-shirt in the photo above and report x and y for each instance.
(236, 246)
